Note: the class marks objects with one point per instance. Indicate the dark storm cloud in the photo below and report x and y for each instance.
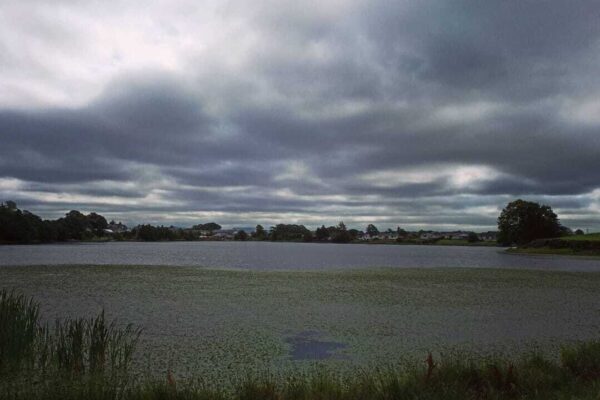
(510, 49)
(148, 123)
(428, 113)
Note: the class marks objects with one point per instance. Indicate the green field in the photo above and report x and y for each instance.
(589, 236)
(553, 252)
(440, 242)
(452, 242)
(575, 245)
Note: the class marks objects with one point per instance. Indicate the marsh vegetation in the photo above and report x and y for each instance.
(91, 359)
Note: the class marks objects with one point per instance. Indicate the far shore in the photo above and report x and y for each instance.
(442, 242)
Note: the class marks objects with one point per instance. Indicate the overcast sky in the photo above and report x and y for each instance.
(423, 114)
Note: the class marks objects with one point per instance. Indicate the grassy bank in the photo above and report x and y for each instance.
(590, 236)
(553, 251)
(421, 242)
(575, 245)
(91, 359)
(453, 242)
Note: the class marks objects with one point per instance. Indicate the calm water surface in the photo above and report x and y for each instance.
(286, 256)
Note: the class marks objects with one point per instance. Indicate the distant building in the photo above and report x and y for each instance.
(363, 237)
(431, 235)
(388, 235)
(457, 235)
(114, 227)
(248, 229)
(224, 234)
(490, 236)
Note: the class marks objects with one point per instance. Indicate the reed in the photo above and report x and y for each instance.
(76, 356)
(19, 330)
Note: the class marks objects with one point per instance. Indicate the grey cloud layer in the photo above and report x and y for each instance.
(414, 113)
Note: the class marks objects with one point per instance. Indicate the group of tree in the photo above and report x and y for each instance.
(290, 233)
(150, 233)
(22, 226)
(300, 233)
(336, 234)
(211, 227)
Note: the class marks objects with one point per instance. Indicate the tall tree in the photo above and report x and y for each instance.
(288, 232)
(372, 230)
(259, 233)
(340, 234)
(523, 221)
(74, 225)
(322, 234)
(97, 223)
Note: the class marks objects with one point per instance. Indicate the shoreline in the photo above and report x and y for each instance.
(547, 251)
(450, 243)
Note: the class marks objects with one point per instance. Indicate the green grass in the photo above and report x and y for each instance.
(552, 251)
(576, 245)
(590, 236)
(457, 242)
(420, 242)
(90, 359)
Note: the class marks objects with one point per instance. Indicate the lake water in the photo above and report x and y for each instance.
(283, 256)
(221, 309)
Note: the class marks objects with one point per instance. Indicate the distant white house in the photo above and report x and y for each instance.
(431, 235)
(224, 234)
(490, 236)
(459, 235)
(388, 235)
(116, 227)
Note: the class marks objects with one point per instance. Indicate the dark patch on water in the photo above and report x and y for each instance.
(307, 345)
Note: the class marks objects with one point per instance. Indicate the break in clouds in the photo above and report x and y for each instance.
(424, 114)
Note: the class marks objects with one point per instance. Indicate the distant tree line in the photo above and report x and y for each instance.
(336, 234)
(150, 233)
(520, 222)
(21, 226)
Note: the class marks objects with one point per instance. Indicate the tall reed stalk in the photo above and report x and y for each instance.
(81, 352)
(19, 330)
